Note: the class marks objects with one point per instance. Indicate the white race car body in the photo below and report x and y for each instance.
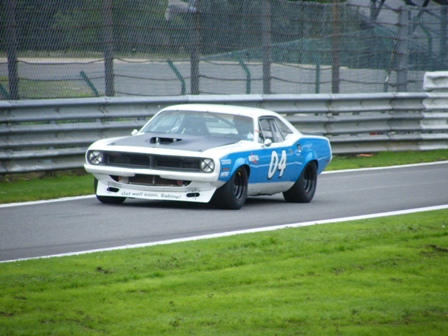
(169, 160)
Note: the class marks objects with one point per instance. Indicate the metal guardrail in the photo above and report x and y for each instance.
(44, 135)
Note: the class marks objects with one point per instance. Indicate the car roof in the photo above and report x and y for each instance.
(230, 109)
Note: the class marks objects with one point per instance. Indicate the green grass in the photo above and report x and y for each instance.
(34, 89)
(34, 187)
(382, 276)
(384, 159)
(31, 187)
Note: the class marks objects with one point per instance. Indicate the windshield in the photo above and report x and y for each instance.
(201, 124)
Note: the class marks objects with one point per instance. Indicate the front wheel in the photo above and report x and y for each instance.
(107, 199)
(233, 194)
(304, 188)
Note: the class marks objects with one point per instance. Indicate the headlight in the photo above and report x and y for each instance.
(95, 157)
(207, 165)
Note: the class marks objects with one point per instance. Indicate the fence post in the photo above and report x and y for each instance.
(402, 49)
(246, 70)
(194, 56)
(266, 44)
(335, 49)
(108, 48)
(178, 75)
(443, 27)
(89, 83)
(11, 49)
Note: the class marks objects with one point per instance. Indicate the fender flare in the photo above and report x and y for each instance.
(311, 156)
(238, 163)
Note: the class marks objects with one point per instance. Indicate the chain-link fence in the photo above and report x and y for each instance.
(83, 48)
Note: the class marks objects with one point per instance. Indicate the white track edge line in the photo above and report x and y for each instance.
(65, 199)
(233, 233)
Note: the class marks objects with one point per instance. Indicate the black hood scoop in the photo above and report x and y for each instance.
(163, 140)
(181, 142)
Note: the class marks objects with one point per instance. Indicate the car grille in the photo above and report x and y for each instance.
(151, 180)
(130, 160)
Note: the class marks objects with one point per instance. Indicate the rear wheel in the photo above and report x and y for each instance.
(303, 190)
(107, 199)
(233, 194)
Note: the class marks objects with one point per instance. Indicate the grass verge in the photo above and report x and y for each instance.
(39, 186)
(383, 276)
(385, 159)
(43, 186)
(45, 89)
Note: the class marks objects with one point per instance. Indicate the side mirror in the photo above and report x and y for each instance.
(267, 143)
(134, 132)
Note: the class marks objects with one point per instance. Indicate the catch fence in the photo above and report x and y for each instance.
(85, 48)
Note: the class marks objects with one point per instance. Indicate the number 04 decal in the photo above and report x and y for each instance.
(277, 164)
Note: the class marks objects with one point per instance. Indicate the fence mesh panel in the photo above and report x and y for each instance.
(87, 48)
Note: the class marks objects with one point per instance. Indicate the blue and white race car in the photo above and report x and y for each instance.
(205, 152)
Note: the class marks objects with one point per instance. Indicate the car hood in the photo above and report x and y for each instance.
(171, 141)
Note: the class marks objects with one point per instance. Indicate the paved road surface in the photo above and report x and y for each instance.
(85, 224)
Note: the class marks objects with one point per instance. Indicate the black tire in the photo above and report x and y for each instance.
(304, 188)
(233, 194)
(107, 199)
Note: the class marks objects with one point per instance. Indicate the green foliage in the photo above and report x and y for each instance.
(372, 277)
(81, 24)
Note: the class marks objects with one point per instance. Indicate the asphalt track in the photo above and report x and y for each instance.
(75, 225)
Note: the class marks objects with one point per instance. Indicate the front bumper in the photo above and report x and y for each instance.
(200, 195)
(175, 186)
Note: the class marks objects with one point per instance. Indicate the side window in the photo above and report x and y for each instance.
(278, 136)
(283, 128)
(269, 129)
(265, 130)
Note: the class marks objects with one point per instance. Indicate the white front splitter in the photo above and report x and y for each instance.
(140, 192)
